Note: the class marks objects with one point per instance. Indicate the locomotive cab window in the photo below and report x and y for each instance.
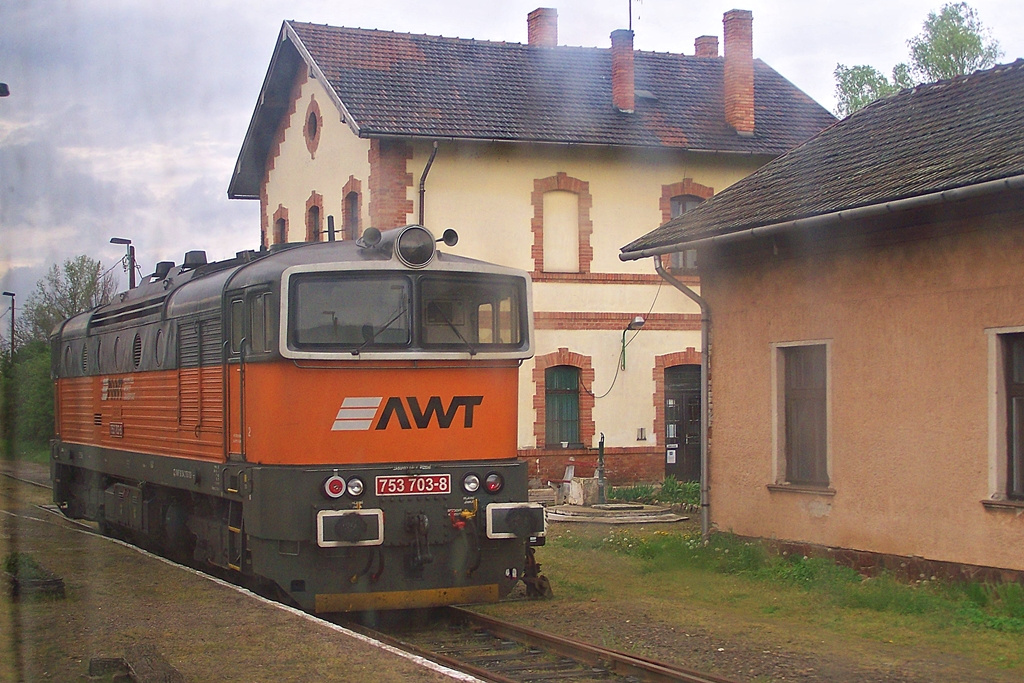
(472, 311)
(349, 313)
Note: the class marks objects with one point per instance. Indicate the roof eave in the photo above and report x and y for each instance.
(271, 106)
(847, 215)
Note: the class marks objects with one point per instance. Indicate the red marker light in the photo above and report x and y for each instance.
(493, 483)
(334, 487)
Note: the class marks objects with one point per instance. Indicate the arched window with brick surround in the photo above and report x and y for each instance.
(677, 199)
(280, 225)
(564, 404)
(561, 225)
(352, 199)
(314, 212)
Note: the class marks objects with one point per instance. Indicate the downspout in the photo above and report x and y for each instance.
(705, 325)
(423, 179)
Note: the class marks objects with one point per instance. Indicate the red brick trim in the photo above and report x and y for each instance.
(564, 357)
(301, 76)
(314, 233)
(388, 182)
(686, 186)
(589, 320)
(661, 363)
(561, 181)
(623, 465)
(610, 278)
(281, 214)
(353, 186)
(312, 125)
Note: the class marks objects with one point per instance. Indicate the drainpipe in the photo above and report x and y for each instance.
(705, 325)
(423, 179)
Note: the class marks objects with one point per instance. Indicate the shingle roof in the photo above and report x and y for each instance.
(419, 85)
(928, 139)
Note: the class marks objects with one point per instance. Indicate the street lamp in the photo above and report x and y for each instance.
(11, 294)
(636, 324)
(131, 258)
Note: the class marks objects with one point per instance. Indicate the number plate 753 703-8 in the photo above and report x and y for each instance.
(420, 485)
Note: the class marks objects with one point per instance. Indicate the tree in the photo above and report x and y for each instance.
(952, 42)
(66, 291)
(859, 85)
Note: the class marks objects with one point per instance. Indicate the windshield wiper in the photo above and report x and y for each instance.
(370, 334)
(434, 308)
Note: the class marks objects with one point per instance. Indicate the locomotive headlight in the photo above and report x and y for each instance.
(415, 247)
(471, 483)
(355, 487)
(334, 487)
(494, 482)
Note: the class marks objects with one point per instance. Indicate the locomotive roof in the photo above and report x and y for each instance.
(192, 290)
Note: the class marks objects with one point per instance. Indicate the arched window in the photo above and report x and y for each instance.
(350, 219)
(562, 406)
(280, 231)
(682, 203)
(313, 232)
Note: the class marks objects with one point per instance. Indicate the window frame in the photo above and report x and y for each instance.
(781, 439)
(552, 400)
(1000, 432)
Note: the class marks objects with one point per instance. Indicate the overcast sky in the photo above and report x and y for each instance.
(125, 117)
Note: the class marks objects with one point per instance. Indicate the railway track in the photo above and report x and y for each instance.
(494, 650)
(498, 651)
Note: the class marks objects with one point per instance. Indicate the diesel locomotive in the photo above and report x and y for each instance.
(334, 421)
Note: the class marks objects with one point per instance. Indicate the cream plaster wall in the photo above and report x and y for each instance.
(632, 299)
(630, 402)
(483, 190)
(909, 393)
(296, 174)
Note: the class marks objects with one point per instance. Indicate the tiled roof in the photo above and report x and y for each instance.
(928, 139)
(418, 85)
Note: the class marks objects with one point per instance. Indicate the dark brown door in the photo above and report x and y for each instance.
(682, 422)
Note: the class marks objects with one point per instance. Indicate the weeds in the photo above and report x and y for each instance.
(997, 607)
(670, 492)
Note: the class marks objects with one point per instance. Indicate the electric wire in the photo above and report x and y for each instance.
(622, 351)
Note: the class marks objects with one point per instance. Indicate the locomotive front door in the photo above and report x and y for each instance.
(682, 422)
(234, 380)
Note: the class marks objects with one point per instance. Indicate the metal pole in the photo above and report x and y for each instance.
(11, 294)
(131, 267)
(602, 498)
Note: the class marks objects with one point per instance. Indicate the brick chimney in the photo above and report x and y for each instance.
(739, 71)
(623, 91)
(542, 27)
(706, 46)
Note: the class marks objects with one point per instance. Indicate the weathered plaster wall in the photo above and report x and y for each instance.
(296, 172)
(909, 393)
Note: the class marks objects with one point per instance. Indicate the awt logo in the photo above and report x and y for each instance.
(357, 413)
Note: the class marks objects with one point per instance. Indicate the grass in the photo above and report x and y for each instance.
(733, 586)
(979, 605)
(31, 451)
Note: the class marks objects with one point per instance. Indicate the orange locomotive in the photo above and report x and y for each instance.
(335, 420)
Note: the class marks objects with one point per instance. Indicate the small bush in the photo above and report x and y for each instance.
(23, 567)
(670, 492)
